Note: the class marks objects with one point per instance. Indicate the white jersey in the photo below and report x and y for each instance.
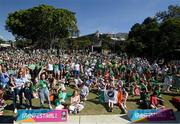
(77, 67)
(50, 67)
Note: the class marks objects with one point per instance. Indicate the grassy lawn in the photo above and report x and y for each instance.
(93, 106)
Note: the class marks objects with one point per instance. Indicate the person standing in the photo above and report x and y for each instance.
(43, 91)
(18, 91)
(84, 92)
(4, 77)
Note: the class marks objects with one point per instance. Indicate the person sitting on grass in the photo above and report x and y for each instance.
(78, 82)
(125, 97)
(159, 94)
(75, 106)
(121, 100)
(136, 90)
(144, 98)
(154, 103)
(168, 80)
(84, 92)
(60, 101)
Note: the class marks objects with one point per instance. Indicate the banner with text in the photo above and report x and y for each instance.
(151, 115)
(42, 115)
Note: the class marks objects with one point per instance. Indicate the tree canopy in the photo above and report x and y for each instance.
(156, 36)
(43, 24)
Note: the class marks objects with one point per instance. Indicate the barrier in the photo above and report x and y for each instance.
(42, 115)
(151, 115)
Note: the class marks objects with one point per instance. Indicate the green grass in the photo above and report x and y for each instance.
(94, 107)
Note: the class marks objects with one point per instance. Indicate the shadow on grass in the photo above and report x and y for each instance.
(106, 106)
(133, 100)
(176, 105)
(10, 107)
(6, 119)
(95, 100)
(171, 94)
(94, 91)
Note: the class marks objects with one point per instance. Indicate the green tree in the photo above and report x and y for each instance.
(169, 36)
(84, 44)
(142, 37)
(43, 24)
(21, 43)
(172, 12)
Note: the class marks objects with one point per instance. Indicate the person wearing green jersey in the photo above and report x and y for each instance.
(56, 70)
(43, 91)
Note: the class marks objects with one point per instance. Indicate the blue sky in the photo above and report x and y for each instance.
(93, 15)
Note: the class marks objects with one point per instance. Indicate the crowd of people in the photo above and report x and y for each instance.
(47, 74)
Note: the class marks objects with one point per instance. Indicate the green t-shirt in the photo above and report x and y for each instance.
(158, 93)
(42, 84)
(56, 66)
(11, 71)
(62, 95)
(144, 96)
(32, 66)
(100, 66)
(143, 86)
(123, 68)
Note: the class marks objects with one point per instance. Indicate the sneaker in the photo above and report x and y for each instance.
(30, 108)
(50, 107)
(15, 110)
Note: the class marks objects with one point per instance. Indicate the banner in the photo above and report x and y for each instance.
(106, 95)
(42, 115)
(151, 115)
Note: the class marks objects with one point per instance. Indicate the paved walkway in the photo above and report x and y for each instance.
(108, 119)
(97, 119)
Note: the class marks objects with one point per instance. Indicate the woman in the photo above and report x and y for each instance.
(43, 91)
(75, 106)
(18, 90)
(56, 70)
(154, 103)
